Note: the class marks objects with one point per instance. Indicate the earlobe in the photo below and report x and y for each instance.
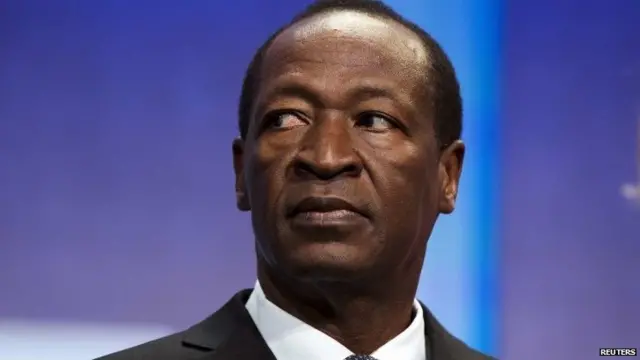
(448, 203)
(450, 170)
(242, 200)
(448, 193)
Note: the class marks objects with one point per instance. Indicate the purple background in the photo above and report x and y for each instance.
(571, 242)
(116, 200)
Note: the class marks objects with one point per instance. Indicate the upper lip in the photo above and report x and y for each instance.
(323, 204)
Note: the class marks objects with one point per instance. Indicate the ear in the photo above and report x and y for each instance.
(451, 160)
(242, 200)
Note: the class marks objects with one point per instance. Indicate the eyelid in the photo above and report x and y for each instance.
(392, 120)
(297, 113)
(395, 122)
(269, 116)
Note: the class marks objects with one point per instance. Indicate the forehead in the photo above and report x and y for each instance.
(347, 46)
(351, 25)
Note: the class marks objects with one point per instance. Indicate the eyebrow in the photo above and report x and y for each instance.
(357, 94)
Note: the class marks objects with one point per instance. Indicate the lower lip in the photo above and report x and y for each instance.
(328, 218)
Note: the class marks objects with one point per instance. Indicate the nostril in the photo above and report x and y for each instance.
(351, 169)
(304, 169)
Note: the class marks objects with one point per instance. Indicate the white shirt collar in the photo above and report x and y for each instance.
(291, 339)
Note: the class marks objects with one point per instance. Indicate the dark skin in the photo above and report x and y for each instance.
(342, 112)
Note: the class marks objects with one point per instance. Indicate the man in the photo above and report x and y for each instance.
(350, 122)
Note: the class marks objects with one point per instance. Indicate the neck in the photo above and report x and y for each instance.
(361, 316)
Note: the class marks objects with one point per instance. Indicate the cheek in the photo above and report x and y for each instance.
(405, 167)
(407, 183)
(266, 173)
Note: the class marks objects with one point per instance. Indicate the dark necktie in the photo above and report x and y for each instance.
(360, 357)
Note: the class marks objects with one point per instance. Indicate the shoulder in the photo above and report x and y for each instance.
(458, 350)
(461, 351)
(166, 348)
(444, 345)
(198, 339)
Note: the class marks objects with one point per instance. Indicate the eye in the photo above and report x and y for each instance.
(375, 121)
(283, 119)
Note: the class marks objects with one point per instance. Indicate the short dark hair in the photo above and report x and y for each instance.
(443, 86)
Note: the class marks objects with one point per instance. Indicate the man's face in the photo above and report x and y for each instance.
(341, 169)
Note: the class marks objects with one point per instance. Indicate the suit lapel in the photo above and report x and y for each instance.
(441, 345)
(434, 337)
(229, 334)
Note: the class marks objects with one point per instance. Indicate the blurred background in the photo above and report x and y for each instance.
(117, 214)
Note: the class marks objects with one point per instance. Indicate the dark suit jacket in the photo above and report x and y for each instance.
(230, 334)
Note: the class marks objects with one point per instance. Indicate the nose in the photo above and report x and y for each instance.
(327, 152)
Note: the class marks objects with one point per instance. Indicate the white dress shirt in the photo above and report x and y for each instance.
(291, 339)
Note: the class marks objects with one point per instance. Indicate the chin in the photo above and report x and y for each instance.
(329, 262)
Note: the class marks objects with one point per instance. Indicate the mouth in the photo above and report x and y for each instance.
(324, 205)
(325, 212)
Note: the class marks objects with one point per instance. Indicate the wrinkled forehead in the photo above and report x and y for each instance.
(351, 27)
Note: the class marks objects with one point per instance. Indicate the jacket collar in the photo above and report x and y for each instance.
(230, 334)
